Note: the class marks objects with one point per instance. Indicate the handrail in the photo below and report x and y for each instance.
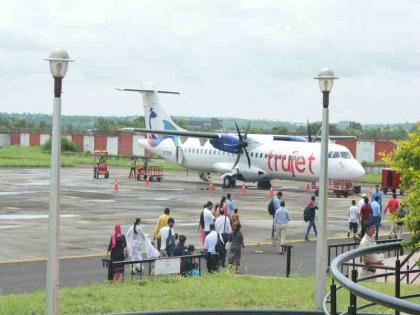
(369, 294)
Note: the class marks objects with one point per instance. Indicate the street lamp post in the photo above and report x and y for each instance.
(326, 80)
(58, 59)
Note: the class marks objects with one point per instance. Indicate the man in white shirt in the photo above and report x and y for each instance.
(208, 217)
(224, 229)
(353, 219)
(210, 247)
(368, 241)
(167, 236)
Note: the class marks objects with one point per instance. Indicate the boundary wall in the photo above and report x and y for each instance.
(127, 144)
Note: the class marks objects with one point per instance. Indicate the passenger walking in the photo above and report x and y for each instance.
(237, 243)
(210, 244)
(393, 205)
(273, 206)
(376, 214)
(401, 214)
(161, 222)
(118, 249)
(377, 193)
(167, 236)
(353, 219)
(281, 221)
(361, 202)
(208, 217)
(310, 215)
(224, 229)
(133, 168)
(135, 240)
(235, 221)
(230, 207)
(365, 216)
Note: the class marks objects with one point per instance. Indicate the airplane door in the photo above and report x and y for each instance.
(179, 155)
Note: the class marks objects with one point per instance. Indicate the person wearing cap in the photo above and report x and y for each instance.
(361, 202)
(368, 241)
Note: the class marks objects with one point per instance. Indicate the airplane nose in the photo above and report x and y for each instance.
(359, 171)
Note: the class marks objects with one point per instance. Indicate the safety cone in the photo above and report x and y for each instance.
(243, 191)
(308, 187)
(258, 249)
(271, 192)
(211, 188)
(116, 184)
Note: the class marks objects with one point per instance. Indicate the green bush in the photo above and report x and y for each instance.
(66, 146)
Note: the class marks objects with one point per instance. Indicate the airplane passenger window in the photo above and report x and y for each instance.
(218, 152)
(336, 155)
(261, 155)
(201, 151)
(345, 155)
(205, 151)
(252, 154)
(265, 156)
(330, 154)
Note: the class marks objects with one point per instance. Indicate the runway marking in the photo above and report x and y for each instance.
(267, 242)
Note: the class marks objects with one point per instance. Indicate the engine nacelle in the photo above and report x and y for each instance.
(227, 143)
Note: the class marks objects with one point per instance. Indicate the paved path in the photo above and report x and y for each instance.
(30, 276)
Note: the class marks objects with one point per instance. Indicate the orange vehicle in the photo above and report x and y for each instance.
(100, 164)
(338, 187)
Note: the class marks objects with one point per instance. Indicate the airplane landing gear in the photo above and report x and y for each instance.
(229, 182)
(264, 184)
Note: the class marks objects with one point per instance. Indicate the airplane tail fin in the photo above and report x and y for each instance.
(154, 115)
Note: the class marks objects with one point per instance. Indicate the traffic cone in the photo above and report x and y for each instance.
(271, 192)
(116, 184)
(243, 191)
(211, 188)
(147, 182)
(308, 187)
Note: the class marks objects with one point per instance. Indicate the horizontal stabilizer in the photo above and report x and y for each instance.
(142, 90)
(192, 134)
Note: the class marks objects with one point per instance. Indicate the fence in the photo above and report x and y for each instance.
(396, 302)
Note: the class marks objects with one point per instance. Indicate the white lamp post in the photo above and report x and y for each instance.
(326, 80)
(58, 59)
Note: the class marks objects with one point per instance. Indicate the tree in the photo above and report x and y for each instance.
(406, 161)
(280, 130)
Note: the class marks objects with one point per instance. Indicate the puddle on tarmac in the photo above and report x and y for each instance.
(31, 216)
(153, 199)
(11, 208)
(38, 183)
(102, 200)
(8, 227)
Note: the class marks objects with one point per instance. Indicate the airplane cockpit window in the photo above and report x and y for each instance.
(330, 154)
(336, 155)
(345, 155)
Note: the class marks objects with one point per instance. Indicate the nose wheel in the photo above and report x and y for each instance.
(229, 182)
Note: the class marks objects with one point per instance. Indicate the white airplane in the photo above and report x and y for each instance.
(246, 157)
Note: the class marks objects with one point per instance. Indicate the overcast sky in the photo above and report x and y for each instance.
(248, 59)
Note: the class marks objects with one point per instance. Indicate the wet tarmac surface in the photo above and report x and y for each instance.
(90, 208)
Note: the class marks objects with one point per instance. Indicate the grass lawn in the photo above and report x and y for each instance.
(17, 156)
(220, 291)
(372, 179)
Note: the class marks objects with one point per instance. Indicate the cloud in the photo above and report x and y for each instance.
(252, 59)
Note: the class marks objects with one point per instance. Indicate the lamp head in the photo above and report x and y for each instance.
(326, 80)
(59, 59)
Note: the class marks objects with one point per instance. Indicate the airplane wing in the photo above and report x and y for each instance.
(192, 134)
(305, 138)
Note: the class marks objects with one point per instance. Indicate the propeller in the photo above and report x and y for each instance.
(242, 144)
(309, 131)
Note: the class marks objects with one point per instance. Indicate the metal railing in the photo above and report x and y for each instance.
(396, 302)
(147, 265)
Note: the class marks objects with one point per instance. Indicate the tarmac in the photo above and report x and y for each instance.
(91, 207)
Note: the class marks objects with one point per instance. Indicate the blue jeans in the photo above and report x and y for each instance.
(376, 221)
(311, 223)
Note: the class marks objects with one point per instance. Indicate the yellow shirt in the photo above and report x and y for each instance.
(161, 222)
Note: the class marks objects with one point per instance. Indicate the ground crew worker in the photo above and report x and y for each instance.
(133, 167)
(161, 222)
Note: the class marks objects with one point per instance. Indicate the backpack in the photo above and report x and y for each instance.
(306, 214)
(220, 246)
(202, 219)
(170, 243)
(401, 213)
(270, 207)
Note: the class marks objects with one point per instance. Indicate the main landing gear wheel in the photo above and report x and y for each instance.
(264, 184)
(229, 182)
